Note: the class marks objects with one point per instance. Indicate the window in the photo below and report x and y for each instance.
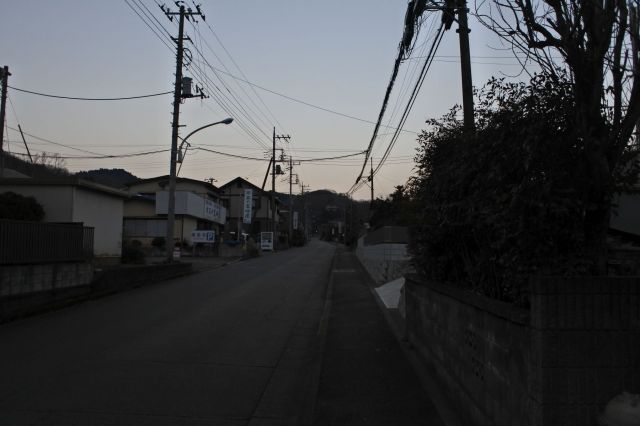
(145, 227)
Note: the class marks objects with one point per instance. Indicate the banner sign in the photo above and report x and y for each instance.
(248, 205)
(295, 220)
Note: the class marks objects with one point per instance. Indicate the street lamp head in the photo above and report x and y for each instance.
(227, 120)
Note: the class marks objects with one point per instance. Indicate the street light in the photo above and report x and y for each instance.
(171, 208)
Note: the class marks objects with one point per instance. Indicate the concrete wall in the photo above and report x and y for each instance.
(104, 213)
(19, 280)
(556, 364)
(384, 262)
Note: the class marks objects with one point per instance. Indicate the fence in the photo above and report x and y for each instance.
(23, 242)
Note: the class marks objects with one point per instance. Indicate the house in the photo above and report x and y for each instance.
(70, 199)
(245, 218)
(198, 206)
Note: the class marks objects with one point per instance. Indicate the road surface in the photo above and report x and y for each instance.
(232, 346)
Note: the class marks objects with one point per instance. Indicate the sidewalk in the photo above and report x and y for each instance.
(366, 378)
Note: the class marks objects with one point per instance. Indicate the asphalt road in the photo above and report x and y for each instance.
(232, 346)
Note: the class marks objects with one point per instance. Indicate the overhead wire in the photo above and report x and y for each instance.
(409, 106)
(75, 98)
(163, 40)
(225, 105)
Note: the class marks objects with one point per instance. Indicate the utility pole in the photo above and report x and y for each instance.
(465, 65)
(371, 180)
(4, 73)
(175, 125)
(290, 200)
(274, 171)
(291, 175)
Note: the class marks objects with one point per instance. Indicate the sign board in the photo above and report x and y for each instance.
(203, 236)
(248, 205)
(176, 253)
(295, 220)
(266, 241)
(213, 211)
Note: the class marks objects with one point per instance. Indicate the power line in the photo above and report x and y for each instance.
(245, 157)
(125, 98)
(103, 157)
(402, 49)
(163, 40)
(56, 143)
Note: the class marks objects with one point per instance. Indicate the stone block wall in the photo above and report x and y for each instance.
(558, 363)
(478, 349)
(18, 280)
(585, 335)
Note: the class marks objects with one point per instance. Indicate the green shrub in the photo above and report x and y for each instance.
(18, 207)
(132, 255)
(252, 248)
(507, 201)
(158, 242)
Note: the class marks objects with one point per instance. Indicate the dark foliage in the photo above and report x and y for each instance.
(158, 242)
(116, 178)
(394, 210)
(18, 207)
(507, 201)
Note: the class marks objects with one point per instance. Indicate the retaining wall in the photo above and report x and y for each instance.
(18, 280)
(27, 293)
(558, 363)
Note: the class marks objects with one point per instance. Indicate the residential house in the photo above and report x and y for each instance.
(260, 218)
(197, 207)
(70, 199)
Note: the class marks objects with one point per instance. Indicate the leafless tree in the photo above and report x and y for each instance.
(596, 42)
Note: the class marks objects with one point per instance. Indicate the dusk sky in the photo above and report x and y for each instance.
(334, 54)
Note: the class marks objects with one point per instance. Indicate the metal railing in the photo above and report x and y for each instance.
(35, 242)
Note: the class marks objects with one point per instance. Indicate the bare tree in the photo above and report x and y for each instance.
(596, 42)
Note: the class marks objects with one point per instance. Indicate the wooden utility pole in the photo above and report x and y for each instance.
(4, 74)
(175, 125)
(465, 65)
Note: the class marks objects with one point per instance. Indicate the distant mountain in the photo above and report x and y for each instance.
(115, 178)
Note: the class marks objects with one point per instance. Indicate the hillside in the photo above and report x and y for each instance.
(115, 178)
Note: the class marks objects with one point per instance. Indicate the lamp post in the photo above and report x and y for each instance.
(171, 208)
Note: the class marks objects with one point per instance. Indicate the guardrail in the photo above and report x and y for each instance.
(24, 242)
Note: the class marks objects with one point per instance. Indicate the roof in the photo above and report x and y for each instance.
(244, 182)
(207, 185)
(65, 181)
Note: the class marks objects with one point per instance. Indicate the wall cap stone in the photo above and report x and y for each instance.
(496, 307)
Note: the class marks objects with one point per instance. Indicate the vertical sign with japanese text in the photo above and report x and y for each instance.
(248, 205)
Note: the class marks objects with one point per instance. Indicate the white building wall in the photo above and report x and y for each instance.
(104, 213)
